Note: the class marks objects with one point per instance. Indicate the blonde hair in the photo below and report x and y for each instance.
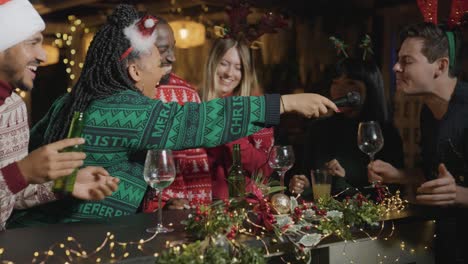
(249, 81)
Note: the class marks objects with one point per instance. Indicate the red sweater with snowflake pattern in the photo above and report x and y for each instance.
(193, 179)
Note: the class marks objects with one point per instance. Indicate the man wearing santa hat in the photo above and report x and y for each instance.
(25, 180)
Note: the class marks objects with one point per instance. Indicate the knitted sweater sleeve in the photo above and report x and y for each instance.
(29, 196)
(7, 201)
(35, 194)
(207, 124)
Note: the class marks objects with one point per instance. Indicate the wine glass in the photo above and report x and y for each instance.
(370, 139)
(159, 173)
(281, 159)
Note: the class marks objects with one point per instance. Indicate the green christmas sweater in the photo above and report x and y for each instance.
(128, 122)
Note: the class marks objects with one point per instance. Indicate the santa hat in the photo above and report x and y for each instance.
(142, 35)
(18, 21)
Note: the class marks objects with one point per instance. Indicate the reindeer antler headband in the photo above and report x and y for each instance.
(365, 45)
(428, 9)
(458, 9)
(238, 27)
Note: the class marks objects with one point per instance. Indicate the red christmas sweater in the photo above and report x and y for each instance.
(193, 179)
(254, 155)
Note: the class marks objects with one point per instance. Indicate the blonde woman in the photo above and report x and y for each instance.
(230, 71)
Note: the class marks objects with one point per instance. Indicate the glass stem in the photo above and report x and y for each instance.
(281, 175)
(374, 183)
(159, 224)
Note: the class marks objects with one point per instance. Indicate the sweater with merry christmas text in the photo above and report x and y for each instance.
(128, 122)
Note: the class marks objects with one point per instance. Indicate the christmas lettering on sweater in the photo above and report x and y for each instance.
(127, 122)
(193, 180)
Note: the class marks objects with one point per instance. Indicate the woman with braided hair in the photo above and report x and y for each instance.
(115, 92)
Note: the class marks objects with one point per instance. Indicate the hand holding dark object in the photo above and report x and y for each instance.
(309, 105)
(351, 99)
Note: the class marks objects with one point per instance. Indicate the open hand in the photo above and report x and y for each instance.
(94, 183)
(441, 191)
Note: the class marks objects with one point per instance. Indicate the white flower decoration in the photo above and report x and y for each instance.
(310, 240)
(309, 213)
(334, 214)
(283, 220)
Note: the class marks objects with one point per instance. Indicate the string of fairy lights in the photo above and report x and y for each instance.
(110, 249)
(77, 30)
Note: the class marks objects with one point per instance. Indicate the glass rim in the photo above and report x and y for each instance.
(159, 150)
(325, 175)
(369, 122)
(282, 146)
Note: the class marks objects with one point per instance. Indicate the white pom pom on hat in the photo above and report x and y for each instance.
(19, 21)
(149, 23)
(142, 35)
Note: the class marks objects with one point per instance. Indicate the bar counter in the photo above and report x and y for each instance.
(406, 238)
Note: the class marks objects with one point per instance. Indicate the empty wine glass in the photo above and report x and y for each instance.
(370, 139)
(281, 159)
(159, 173)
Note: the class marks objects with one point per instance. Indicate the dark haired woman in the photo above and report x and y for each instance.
(332, 142)
(115, 92)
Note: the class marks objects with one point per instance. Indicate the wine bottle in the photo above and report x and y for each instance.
(65, 185)
(236, 178)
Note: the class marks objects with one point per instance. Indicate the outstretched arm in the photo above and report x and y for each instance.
(223, 120)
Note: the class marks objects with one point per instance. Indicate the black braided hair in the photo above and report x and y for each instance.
(103, 73)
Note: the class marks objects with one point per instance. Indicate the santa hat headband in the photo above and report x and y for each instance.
(19, 21)
(142, 35)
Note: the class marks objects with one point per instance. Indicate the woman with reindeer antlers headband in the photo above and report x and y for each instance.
(115, 92)
(428, 65)
(331, 142)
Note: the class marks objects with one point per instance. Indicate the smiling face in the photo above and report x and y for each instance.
(166, 45)
(146, 71)
(19, 63)
(228, 73)
(414, 73)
